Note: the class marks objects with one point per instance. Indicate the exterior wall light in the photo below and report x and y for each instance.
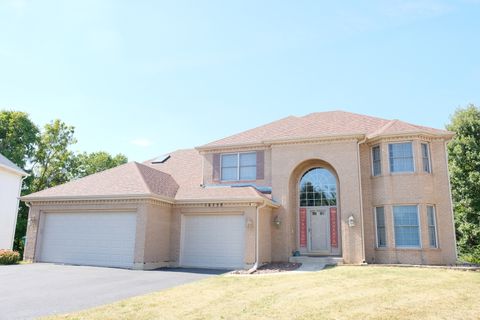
(276, 221)
(351, 221)
(249, 223)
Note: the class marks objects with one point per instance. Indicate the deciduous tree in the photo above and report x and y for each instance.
(464, 166)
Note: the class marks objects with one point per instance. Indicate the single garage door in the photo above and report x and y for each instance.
(213, 241)
(93, 238)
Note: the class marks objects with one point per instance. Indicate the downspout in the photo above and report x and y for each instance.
(361, 197)
(257, 239)
(202, 181)
(451, 200)
(18, 207)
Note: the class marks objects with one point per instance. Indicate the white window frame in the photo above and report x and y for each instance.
(418, 223)
(429, 157)
(238, 165)
(373, 160)
(376, 227)
(434, 225)
(413, 159)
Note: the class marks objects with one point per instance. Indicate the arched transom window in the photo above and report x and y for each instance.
(318, 187)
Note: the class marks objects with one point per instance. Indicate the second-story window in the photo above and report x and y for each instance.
(426, 158)
(401, 157)
(239, 166)
(377, 162)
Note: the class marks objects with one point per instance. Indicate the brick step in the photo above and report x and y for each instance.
(317, 260)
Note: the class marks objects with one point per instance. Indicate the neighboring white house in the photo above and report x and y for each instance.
(11, 178)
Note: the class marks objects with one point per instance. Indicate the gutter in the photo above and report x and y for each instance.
(14, 171)
(257, 239)
(361, 197)
(18, 207)
(99, 197)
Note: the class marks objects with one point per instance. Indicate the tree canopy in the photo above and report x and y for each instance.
(18, 136)
(47, 156)
(464, 166)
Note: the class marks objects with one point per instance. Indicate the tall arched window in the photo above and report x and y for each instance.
(318, 187)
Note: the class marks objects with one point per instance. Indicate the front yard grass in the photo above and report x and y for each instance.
(347, 292)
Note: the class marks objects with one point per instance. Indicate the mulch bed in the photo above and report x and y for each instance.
(274, 267)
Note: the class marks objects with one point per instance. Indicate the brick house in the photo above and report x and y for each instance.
(344, 186)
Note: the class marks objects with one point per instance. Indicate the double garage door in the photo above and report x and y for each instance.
(91, 238)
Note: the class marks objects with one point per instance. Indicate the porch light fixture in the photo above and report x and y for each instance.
(351, 221)
(276, 221)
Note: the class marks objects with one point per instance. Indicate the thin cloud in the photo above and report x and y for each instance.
(142, 142)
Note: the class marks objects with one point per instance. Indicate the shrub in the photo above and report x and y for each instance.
(9, 257)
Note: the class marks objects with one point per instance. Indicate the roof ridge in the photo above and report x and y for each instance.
(348, 112)
(137, 166)
(384, 127)
(154, 170)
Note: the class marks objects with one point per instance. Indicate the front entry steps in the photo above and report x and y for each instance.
(326, 260)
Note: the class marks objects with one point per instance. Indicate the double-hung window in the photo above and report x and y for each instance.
(406, 223)
(401, 157)
(239, 166)
(380, 223)
(376, 161)
(426, 158)
(432, 227)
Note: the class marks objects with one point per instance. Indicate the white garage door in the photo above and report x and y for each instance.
(95, 239)
(213, 241)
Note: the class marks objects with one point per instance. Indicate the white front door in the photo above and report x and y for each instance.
(319, 229)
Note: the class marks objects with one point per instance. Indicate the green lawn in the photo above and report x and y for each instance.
(337, 293)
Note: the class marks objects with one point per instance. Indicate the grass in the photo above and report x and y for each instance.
(337, 293)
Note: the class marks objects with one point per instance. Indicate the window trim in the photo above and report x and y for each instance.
(373, 160)
(377, 245)
(413, 158)
(429, 157)
(435, 225)
(237, 167)
(420, 246)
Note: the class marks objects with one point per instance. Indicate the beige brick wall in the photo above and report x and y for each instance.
(289, 163)
(157, 235)
(265, 243)
(416, 188)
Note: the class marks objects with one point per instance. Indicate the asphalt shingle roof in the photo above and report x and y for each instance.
(322, 124)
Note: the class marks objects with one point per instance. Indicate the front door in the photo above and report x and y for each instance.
(319, 230)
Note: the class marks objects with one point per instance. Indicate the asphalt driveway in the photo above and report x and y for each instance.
(40, 289)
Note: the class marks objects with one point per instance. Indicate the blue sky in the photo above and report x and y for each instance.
(147, 77)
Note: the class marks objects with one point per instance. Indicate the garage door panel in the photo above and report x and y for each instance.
(101, 239)
(213, 241)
